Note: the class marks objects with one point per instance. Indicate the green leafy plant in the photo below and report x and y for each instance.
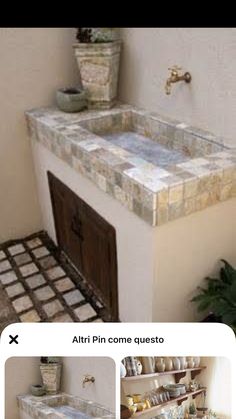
(220, 295)
(192, 409)
(96, 35)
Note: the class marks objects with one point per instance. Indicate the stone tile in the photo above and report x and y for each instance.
(176, 194)
(44, 293)
(14, 290)
(22, 259)
(52, 308)
(34, 243)
(30, 317)
(55, 273)
(191, 189)
(35, 281)
(63, 318)
(5, 266)
(22, 304)
(64, 284)
(85, 312)
(73, 297)
(28, 269)
(48, 262)
(17, 248)
(2, 255)
(8, 277)
(40, 252)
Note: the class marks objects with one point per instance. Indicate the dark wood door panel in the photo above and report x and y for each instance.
(88, 240)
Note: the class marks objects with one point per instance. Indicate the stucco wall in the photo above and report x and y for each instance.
(102, 369)
(207, 53)
(20, 373)
(34, 63)
(188, 250)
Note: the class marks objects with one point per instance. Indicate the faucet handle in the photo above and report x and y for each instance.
(175, 68)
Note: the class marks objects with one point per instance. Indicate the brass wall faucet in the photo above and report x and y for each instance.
(175, 77)
(88, 379)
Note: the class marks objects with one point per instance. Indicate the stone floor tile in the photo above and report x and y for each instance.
(44, 293)
(64, 284)
(48, 262)
(85, 312)
(40, 252)
(8, 277)
(14, 290)
(5, 266)
(52, 308)
(30, 317)
(34, 243)
(63, 318)
(35, 281)
(22, 303)
(22, 259)
(73, 297)
(17, 248)
(28, 269)
(2, 255)
(55, 273)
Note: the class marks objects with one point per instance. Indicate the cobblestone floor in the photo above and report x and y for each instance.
(38, 284)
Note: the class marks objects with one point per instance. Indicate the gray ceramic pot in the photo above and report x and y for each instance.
(38, 390)
(71, 99)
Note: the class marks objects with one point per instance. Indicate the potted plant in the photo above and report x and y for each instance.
(50, 369)
(192, 411)
(219, 296)
(98, 56)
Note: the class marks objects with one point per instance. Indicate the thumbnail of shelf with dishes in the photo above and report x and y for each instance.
(179, 387)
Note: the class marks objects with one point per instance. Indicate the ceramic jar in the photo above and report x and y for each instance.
(176, 363)
(139, 367)
(191, 363)
(122, 370)
(160, 365)
(197, 361)
(168, 364)
(183, 362)
(148, 363)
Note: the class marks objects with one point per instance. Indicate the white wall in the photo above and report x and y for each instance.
(102, 369)
(207, 53)
(187, 250)
(217, 379)
(20, 373)
(34, 63)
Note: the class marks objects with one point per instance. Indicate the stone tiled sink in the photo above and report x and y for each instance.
(62, 406)
(159, 168)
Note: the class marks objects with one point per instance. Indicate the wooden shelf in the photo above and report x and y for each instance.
(178, 373)
(179, 400)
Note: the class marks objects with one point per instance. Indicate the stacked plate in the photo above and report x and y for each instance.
(175, 390)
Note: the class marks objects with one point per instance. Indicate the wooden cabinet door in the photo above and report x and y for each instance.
(88, 240)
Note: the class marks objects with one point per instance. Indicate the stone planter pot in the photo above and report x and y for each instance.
(51, 377)
(71, 99)
(99, 68)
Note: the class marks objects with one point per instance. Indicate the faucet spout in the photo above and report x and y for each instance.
(176, 77)
(88, 379)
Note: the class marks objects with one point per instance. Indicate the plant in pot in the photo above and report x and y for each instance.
(192, 411)
(50, 369)
(98, 56)
(219, 296)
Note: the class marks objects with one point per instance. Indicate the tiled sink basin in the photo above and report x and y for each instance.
(62, 406)
(157, 167)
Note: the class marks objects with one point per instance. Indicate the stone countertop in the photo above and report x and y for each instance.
(155, 192)
(47, 406)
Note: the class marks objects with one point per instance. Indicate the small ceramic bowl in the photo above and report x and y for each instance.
(38, 390)
(71, 99)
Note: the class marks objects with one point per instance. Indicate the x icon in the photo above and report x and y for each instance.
(13, 339)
